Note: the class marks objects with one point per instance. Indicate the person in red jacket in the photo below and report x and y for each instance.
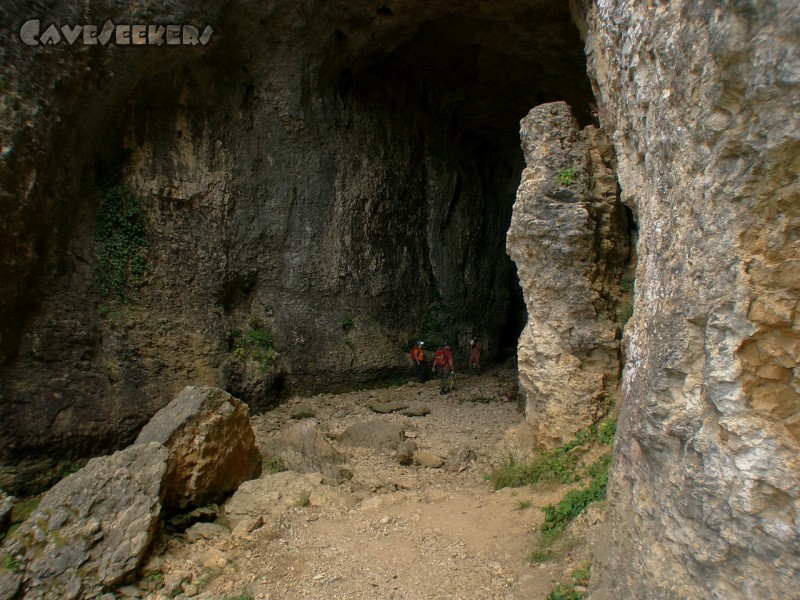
(444, 360)
(475, 354)
(418, 357)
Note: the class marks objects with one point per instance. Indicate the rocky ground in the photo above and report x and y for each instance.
(391, 530)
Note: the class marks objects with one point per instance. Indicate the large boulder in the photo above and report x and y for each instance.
(268, 498)
(211, 445)
(303, 448)
(93, 528)
(377, 434)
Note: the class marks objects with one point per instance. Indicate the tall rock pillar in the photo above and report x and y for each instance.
(568, 239)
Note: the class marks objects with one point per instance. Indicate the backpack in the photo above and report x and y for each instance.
(438, 358)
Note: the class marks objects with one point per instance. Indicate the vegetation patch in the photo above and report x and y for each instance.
(566, 175)
(558, 516)
(607, 431)
(154, 577)
(23, 509)
(433, 324)
(576, 588)
(561, 465)
(565, 465)
(347, 324)
(257, 343)
(70, 468)
(10, 563)
(242, 596)
(121, 239)
(553, 546)
(304, 499)
(273, 464)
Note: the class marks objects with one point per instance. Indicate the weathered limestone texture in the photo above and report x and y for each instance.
(568, 239)
(93, 528)
(212, 448)
(703, 101)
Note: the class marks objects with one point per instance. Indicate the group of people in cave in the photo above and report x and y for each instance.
(443, 361)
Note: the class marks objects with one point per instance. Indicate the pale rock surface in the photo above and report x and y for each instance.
(702, 103)
(9, 584)
(211, 446)
(94, 527)
(427, 459)
(567, 237)
(303, 448)
(374, 434)
(272, 495)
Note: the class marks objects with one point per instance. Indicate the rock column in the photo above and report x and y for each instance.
(567, 237)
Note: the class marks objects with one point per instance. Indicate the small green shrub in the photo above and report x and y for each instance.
(541, 555)
(624, 313)
(627, 284)
(69, 469)
(558, 516)
(553, 546)
(154, 576)
(624, 309)
(121, 243)
(607, 431)
(256, 343)
(23, 509)
(272, 464)
(566, 175)
(207, 576)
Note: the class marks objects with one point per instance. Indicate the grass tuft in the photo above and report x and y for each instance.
(562, 464)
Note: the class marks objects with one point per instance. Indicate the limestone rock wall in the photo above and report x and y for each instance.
(702, 100)
(569, 240)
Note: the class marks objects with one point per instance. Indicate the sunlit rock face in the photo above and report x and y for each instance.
(569, 240)
(702, 102)
(298, 200)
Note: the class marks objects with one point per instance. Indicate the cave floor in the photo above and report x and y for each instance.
(393, 531)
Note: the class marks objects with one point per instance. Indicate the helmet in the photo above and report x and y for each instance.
(446, 345)
(420, 343)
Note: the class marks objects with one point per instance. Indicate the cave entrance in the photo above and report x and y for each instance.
(463, 80)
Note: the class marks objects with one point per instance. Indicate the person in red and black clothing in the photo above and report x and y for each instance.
(444, 360)
(418, 356)
(476, 345)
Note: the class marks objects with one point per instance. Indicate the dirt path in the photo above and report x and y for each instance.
(392, 531)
